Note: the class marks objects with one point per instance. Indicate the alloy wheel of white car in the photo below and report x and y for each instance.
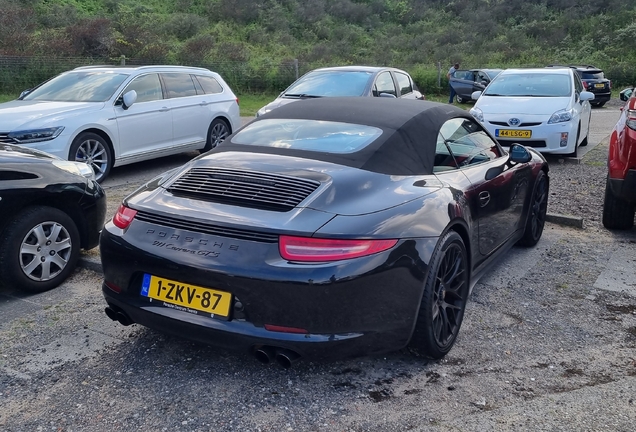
(93, 150)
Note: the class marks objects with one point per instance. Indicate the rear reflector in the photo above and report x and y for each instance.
(282, 329)
(124, 216)
(112, 286)
(308, 249)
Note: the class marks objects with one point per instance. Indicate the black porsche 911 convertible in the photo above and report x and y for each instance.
(328, 228)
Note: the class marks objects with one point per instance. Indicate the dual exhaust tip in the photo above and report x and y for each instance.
(119, 316)
(284, 357)
(265, 354)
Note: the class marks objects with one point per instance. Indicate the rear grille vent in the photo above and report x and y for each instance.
(206, 228)
(527, 143)
(244, 188)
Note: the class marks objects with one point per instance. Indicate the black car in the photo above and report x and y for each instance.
(594, 81)
(465, 82)
(344, 81)
(49, 209)
(333, 227)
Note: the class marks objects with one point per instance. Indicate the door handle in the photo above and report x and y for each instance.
(164, 109)
(484, 198)
(204, 103)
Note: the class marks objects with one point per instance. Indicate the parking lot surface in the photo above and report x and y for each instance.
(548, 343)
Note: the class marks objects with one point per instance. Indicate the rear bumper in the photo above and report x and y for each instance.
(625, 189)
(349, 308)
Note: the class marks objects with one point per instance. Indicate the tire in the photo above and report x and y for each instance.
(536, 213)
(444, 299)
(598, 104)
(460, 99)
(93, 150)
(618, 214)
(39, 249)
(217, 132)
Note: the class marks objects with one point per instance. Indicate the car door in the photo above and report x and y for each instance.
(404, 85)
(190, 111)
(146, 125)
(384, 85)
(463, 82)
(497, 190)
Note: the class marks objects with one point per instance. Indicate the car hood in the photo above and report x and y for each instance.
(15, 153)
(340, 190)
(276, 103)
(19, 114)
(521, 105)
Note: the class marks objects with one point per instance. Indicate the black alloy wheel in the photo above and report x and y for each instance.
(444, 299)
(218, 131)
(39, 249)
(93, 150)
(536, 212)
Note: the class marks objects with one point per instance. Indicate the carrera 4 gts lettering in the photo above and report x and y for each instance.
(190, 244)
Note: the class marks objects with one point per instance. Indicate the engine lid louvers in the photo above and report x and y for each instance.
(251, 189)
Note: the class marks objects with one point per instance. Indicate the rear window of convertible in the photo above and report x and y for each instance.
(310, 135)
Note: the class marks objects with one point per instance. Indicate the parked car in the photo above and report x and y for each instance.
(466, 82)
(543, 108)
(49, 209)
(327, 228)
(620, 189)
(112, 116)
(594, 81)
(346, 81)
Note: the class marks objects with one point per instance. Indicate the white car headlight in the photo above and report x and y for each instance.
(477, 113)
(561, 116)
(35, 135)
(79, 168)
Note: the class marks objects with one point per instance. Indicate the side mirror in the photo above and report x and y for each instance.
(626, 94)
(27, 91)
(519, 154)
(586, 96)
(475, 95)
(387, 95)
(129, 99)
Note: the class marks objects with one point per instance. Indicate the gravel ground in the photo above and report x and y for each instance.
(543, 347)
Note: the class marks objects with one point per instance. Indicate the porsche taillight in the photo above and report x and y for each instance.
(124, 216)
(309, 249)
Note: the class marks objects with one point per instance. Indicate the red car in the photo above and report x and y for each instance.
(620, 191)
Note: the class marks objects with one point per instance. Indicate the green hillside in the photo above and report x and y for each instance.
(265, 36)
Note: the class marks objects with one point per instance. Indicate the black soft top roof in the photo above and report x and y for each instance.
(405, 147)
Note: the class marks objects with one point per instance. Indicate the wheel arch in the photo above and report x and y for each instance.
(102, 133)
(62, 203)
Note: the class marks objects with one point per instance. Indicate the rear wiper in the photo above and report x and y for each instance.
(300, 95)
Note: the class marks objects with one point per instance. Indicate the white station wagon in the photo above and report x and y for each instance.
(110, 116)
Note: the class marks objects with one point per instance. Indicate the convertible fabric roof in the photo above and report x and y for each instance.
(405, 147)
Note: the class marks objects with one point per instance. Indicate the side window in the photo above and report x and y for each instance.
(578, 85)
(209, 84)
(384, 84)
(404, 83)
(444, 160)
(148, 88)
(468, 142)
(178, 85)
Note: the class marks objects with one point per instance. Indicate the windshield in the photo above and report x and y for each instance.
(593, 75)
(531, 85)
(330, 83)
(311, 135)
(84, 86)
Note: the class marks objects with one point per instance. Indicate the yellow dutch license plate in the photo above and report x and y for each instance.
(513, 133)
(599, 85)
(186, 297)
